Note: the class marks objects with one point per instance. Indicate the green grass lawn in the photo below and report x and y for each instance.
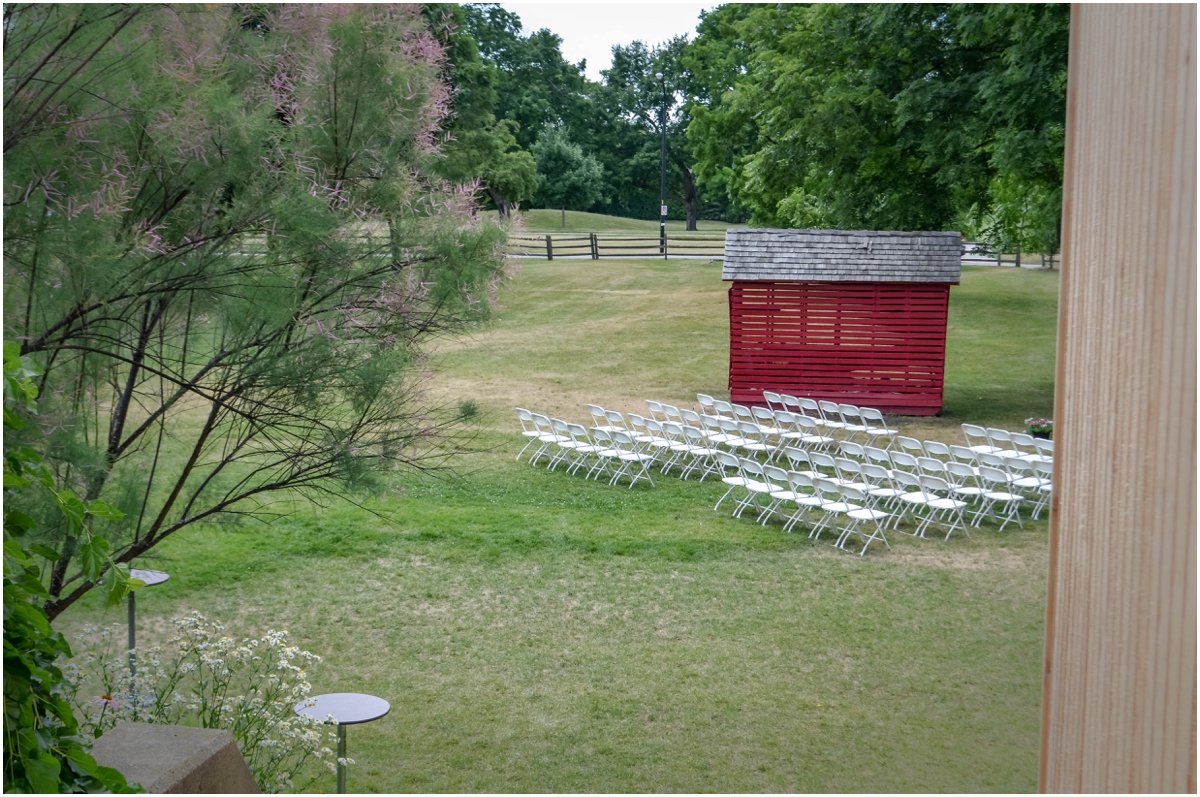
(547, 220)
(535, 631)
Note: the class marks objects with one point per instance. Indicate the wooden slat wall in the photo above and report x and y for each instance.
(1120, 679)
(872, 344)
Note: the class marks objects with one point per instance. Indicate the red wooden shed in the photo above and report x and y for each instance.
(854, 317)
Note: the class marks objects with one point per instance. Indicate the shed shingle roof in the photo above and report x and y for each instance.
(841, 256)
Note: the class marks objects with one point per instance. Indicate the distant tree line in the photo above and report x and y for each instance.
(927, 116)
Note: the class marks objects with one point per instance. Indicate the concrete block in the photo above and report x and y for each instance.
(173, 759)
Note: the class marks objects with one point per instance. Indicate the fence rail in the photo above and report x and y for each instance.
(596, 246)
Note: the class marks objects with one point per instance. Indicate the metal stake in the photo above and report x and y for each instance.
(341, 763)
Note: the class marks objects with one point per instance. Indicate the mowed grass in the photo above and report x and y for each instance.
(547, 220)
(536, 631)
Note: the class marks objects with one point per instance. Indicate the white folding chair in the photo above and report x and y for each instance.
(832, 414)
(774, 400)
(849, 472)
(931, 466)
(753, 440)
(812, 437)
(878, 456)
(700, 455)
(866, 520)
(547, 436)
(756, 484)
(799, 460)
(528, 430)
(877, 428)
(765, 418)
(962, 454)
(942, 506)
(1045, 471)
(1001, 440)
(600, 419)
(902, 460)
(909, 445)
(584, 447)
(937, 449)
(977, 439)
(998, 493)
(810, 408)
(849, 448)
(803, 495)
(852, 420)
(832, 505)
(630, 460)
(778, 479)
(880, 485)
(722, 409)
(964, 483)
(730, 468)
(655, 441)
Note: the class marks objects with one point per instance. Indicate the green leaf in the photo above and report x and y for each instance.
(72, 509)
(42, 773)
(118, 585)
(104, 511)
(94, 557)
(44, 551)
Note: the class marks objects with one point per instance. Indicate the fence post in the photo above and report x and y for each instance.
(664, 243)
(549, 249)
(595, 248)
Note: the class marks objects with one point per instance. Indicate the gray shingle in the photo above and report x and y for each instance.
(842, 256)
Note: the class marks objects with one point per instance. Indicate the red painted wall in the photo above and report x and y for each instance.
(871, 344)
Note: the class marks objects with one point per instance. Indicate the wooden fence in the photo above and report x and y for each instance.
(597, 245)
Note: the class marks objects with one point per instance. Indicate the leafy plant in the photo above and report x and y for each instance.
(229, 208)
(43, 750)
(206, 678)
(1039, 426)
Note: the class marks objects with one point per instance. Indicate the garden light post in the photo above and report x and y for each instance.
(149, 578)
(662, 184)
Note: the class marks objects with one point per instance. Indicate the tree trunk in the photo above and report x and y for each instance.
(564, 217)
(503, 205)
(691, 203)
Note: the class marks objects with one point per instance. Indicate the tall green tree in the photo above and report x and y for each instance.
(885, 116)
(478, 146)
(655, 106)
(536, 86)
(224, 249)
(568, 177)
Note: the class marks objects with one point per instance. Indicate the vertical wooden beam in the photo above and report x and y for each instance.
(1120, 680)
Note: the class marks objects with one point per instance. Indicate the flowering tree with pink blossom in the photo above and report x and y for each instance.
(224, 251)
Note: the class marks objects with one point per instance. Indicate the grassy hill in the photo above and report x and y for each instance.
(535, 631)
(550, 221)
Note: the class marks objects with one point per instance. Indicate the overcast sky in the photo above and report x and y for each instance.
(590, 29)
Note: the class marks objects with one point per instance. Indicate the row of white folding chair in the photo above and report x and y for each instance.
(537, 429)
(674, 444)
(888, 485)
(990, 440)
(802, 493)
(965, 475)
(745, 430)
(611, 452)
(848, 419)
(790, 428)
(1031, 476)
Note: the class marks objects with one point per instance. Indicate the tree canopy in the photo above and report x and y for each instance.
(886, 116)
(224, 246)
